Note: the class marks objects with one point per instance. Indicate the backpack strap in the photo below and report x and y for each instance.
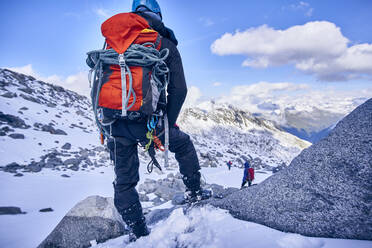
(124, 98)
(166, 140)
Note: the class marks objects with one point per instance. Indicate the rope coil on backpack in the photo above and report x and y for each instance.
(143, 55)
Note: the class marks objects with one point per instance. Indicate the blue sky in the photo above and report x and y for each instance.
(49, 39)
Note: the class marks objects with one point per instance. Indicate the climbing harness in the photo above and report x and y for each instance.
(154, 142)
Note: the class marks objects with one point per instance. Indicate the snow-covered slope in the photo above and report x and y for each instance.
(46, 126)
(37, 119)
(228, 133)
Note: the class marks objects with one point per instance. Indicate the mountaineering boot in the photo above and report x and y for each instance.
(198, 195)
(193, 190)
(139, 228)
(136, 222)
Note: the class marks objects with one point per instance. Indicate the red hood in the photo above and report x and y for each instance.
(122, 29)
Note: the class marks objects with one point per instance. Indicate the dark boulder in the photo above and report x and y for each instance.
(66, 146)
(13, 121)
(9, 95)
(93, 219)
(10, 211)
(16, 136)
(325, 192)
(45, 210)
(12, 167)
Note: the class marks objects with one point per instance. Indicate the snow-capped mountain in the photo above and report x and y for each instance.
(312, 125)
(310, 121)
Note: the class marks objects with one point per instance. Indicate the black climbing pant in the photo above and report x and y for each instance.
(124, 153)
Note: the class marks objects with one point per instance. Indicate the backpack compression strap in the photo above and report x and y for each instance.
(166, 140)
(124, 98)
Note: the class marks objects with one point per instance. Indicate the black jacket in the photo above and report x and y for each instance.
(177, 88)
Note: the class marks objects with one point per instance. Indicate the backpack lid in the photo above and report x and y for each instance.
(122, 29)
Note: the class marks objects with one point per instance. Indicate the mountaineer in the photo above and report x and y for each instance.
(229, 165)
(248, 174)
(141, 56)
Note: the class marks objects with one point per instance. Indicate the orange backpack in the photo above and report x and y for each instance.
(129, 74)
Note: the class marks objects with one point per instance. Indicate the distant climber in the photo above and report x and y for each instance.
(142, 113)
(248, 175)
(229, 165)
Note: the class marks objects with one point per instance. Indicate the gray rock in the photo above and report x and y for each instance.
(13, 121)
(94, 218)
(178, 199)
(59, 132)
(16, 136)
(216, 189)
(75, 168)
(149, 186)
(12, 167)
(231, 152)
(30, 98)
(27, 90)
(44, 210)
(246, 157)
(143, 197)
(278, 168)
(214, 165)
(157, 201)
(256, 163)
(165, 192)
(34, 167)
(9, 95)
(53, 162)
(326, 191)
(205, 163)
(178, 175)
(64, 175)
(99, 149)
(50, 129)
(10, 211)
(5, 130)
(72, 161)
(66, 146)
(18, 175)
(157, 215)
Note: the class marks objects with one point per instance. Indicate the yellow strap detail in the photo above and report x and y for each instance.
(147, 30)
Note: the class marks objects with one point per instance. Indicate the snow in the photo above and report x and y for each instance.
(208, 227)
(47, 188)
(230, 178)
(204, 227)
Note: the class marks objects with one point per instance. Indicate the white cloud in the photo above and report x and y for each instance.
(272, 99)
(216, 84)
(103, 13)
(309, 12)
(193, 96)
(77, 82)
(317, 48)
(301, 6)
(207, 22)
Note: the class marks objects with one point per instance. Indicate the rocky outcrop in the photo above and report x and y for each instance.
(326, 191)
(10, 211)
(93, 219)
